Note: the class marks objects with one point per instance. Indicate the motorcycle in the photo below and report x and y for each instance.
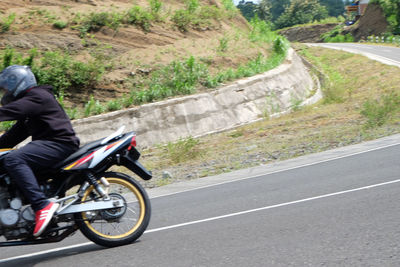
(110, 208)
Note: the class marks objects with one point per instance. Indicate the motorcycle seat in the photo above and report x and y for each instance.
(81, 151)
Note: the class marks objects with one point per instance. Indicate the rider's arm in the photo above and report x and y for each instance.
(27, 106)
(14, 136)
(19, 110)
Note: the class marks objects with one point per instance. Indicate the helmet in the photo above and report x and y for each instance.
(17, 79)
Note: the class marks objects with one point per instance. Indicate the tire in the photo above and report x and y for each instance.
(128, 222)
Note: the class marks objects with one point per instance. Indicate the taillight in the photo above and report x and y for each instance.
(133, 142)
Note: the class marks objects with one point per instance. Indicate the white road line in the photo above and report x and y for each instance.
(213, 218)
(44, 252)
(278, 171)
(272, 207)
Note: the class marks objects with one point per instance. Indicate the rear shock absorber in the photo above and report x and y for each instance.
(92, 180)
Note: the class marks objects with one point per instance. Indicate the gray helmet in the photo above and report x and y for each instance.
(17, 79)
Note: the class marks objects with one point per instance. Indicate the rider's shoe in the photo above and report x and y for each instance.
(43, 217)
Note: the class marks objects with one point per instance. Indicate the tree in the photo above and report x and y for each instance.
(248, 9)
(335, 7)
(301, 12)
(264, 10)
(276, 8)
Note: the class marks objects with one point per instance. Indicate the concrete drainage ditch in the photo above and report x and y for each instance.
(268, 94)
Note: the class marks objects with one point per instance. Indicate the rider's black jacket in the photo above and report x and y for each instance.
(38, 114)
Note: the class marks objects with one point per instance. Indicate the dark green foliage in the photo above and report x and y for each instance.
(138, 16)
(155, 9)
(286, 13)
(391, 8)
(177, 78)
(182, 19)
(248, 9)
(336, 36)
(280, 46)
(7, 57)
(10, 57)
(60, 25)
(57, 69)
(95, 21)
(277, 7)
(64, 73)
(301, 12)
(335, 7)
(5, 23)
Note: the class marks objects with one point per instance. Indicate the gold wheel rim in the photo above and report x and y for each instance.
(139, 197)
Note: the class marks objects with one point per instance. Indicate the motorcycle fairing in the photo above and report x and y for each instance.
(93, 158)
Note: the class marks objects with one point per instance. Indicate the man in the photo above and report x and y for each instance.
(37, 114)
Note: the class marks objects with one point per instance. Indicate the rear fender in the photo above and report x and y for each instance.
(130, 160)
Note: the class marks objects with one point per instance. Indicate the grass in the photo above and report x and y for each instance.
(378, 111)
(5, 23)
(328, 124)
(182, 150)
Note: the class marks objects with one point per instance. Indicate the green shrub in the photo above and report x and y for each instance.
(95, 21)
(89, 107)
(63, 72)
(5, 23)
(184, 149)
(229, 5)
(195, 16)
(177, 78)
(72, 113)
(253, 67)
(261, 31)
(223, 44)
(140, 17)
(10, 57)
(209, 12)
(340, 38)
(113, 105)
(182, 19)
(377, 112)
(280, 46)
(336, 36)
(192, 5)
(60, 24)
(155, 9)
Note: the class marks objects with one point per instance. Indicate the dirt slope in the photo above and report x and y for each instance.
(131, 47)
(307, 34)
(373, 22)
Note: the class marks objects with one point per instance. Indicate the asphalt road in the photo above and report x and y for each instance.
(385, 54)
(337, 208)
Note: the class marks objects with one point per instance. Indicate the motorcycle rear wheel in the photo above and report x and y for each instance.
(120, 226)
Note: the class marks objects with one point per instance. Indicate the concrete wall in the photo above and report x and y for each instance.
(239, 103)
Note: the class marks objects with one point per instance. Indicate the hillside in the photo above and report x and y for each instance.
(154, 37)
(373, 22)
